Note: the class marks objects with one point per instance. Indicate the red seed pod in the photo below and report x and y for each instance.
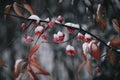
(23, 26)
(60, 19)
(45, 36)
(80, 37)
(70, 50)
(39, 30)
(70, 30)
(51, 24)
(98, 70)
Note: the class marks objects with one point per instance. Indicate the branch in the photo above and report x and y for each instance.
(76, 28)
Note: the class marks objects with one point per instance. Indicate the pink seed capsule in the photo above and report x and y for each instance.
(51, 24)
(70, 30)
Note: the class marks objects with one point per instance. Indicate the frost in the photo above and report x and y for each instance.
(35, 17)
(72, 25)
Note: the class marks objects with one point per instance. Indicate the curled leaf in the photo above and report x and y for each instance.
(116, 25)
(99, 18)
(111, 56)
(6, 10)
(89, 67)
(34, 49)
(115, 42)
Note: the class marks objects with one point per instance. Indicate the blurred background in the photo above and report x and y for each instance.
(52, 56)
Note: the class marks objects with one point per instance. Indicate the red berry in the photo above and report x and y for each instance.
(98, 70)
(60, 19)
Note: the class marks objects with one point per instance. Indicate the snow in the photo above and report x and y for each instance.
(80, 34)
(35, 17)
(47, 19)
(39, 28)
(99, 5)
(68, 47)
(88, 36)
(55, 36)
(60, 33)
(84, 27)
(85, 48)
(72, 25)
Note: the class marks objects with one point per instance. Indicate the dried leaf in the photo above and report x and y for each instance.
(115, 42)
(18, 67)
(35, 66)
(89, 67)
(99, 18)
(34, 49)
(95, 51)
(111, 56)
(116, 25)
(32, 75)
(6, 10)
(17, 10)
(29, 8)
(81, 66)
(1, 63)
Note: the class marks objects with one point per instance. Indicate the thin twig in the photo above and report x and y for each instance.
(80, 29)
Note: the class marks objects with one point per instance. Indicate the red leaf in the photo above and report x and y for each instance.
(32, 75)
(115, 42)
(95, 51)
(34, 49)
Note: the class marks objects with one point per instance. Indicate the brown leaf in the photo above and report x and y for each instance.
(102, 23)
(17, 9)
(99, 18)
(116, 25)
(89, 67)
(81, 66)
(111, 56)
(34, 49)
(115, 42)
(6, 10)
